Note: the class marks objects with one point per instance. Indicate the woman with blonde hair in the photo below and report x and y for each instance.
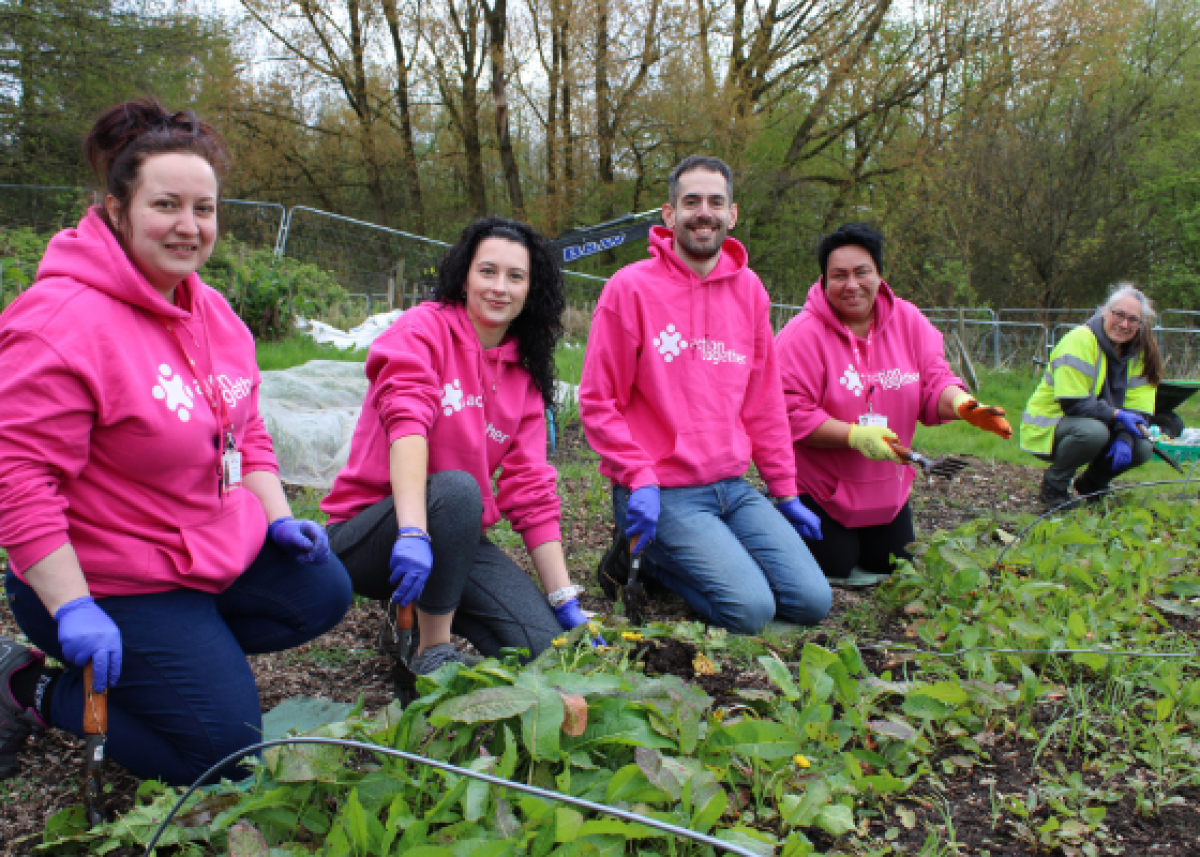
(1096, 399)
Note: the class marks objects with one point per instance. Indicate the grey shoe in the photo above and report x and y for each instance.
(16, 723)
(436, 656)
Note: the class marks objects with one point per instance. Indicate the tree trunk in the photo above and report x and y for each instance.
(604, 125)
(497, 23)
(411, 177)
(366, 118)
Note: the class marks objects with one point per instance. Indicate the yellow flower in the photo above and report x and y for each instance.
(559, 642)
(719, 714)
(594, 627)
(631, 636)
(801, 761)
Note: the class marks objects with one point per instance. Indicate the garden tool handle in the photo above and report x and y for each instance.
(906, 454)
(633, 543)
(95, 705)
(404, 617)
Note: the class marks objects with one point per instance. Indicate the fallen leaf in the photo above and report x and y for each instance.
(574, 714)
(703, 665)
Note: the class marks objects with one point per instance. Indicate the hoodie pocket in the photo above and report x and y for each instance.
(868, 502)
(218, 550)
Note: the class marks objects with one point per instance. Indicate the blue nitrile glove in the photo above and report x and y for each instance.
(1120, 454)
(806, 523)
(641, 515)
(570, 616)
(1131, 422)
(411, 564)
(305, 541)
(88, 634)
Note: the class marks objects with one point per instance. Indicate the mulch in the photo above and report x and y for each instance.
(343, 664)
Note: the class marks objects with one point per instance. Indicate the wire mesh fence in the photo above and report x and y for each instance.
(256, 223)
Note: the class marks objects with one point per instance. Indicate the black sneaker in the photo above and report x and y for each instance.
(1051, 497)
(1086, 490)
(613, 570)
(16, 723)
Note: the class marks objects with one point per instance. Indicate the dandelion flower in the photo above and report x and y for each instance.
(631, 636)
(801, 761)
(559, 642)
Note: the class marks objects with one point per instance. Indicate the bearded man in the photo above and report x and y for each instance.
(680, 393)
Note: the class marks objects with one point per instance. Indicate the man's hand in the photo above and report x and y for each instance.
(806, 523)
(641, 516)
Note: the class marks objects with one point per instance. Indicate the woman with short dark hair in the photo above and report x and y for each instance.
(860, 368)
(459, 389)
(146, 527)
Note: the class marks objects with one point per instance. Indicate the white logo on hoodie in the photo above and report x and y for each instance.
(454, 399)
(852, 381)
(669, 343)
(170, 387)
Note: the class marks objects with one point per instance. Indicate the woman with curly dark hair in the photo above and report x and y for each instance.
(459, 389)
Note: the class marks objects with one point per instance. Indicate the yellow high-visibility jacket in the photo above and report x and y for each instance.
(1077, 370)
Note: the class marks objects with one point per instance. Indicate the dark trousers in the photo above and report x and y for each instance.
(841, 548)
(496, 605)
(186, 696)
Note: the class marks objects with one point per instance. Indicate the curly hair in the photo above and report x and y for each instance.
(539, 326)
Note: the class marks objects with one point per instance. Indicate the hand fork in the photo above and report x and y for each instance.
(945, 466)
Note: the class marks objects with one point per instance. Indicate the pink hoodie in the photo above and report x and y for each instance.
(106, 440)
(680, 382)
(479, 410)
(822, 380)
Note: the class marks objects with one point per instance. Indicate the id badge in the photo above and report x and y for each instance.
(231, 470)
(873, 419)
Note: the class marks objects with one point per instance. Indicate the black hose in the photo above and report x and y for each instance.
(454, 769)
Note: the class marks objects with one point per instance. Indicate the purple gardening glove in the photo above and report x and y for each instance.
(641, 516)
(806, 523)
(1131, 422)
(1120, 454)
(305, 541)
(87, 634)
(411, 565)
(570, 615)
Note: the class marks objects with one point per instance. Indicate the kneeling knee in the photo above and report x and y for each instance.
(750, 617)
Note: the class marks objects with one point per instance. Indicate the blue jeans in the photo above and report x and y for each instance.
(733, 557)
(186, 697)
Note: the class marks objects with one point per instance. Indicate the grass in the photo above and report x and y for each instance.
(298, 350)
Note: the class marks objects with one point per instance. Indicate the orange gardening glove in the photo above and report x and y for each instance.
(981, 416)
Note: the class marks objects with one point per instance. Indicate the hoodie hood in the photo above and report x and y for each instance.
(508, 351)
(818, 304)
(91, 254)
(662, 247)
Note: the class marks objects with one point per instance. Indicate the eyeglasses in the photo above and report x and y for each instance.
(1123, 318)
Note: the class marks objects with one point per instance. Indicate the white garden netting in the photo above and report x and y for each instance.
(356, 337)
(311, 411)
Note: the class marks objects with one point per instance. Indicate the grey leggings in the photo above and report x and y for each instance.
(1083, 440)
(495, 603)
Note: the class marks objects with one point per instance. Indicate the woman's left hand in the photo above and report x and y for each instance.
(983, 417)
(305, 541)
(570, 616)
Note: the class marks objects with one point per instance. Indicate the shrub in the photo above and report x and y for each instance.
(266, 291)
(21, 250)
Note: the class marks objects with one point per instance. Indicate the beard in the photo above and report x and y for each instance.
(701, 248)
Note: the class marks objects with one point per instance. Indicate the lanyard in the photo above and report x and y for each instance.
(859, 363)
(217, 403)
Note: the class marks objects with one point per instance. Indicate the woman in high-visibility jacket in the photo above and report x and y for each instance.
(1096, 398)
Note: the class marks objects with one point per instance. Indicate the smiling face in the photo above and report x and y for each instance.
(1123, 320)
(701, 217)
(496, 288)
(851, 284)
(170, 225)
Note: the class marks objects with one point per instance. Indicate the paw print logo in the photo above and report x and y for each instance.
(669, 343)
(852, 381)
(170, 388)
(453, 399)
